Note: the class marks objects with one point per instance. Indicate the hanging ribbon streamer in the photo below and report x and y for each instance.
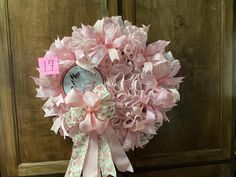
(95, 144)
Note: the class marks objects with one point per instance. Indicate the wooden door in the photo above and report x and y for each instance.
(27, 30)
(200, 131)
(201, 38)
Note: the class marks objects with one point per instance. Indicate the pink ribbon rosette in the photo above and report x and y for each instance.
(108, 91)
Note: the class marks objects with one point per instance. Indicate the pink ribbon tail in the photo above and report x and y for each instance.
(90, 168)
(129, 141)
(118, 154)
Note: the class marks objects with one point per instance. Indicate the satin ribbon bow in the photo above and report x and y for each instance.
(96, 145)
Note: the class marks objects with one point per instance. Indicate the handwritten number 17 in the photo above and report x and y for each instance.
(48, 65)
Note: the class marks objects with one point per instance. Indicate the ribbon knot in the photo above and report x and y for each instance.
(90, 110)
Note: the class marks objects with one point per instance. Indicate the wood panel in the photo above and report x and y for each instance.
(8, 145)
(201, 38)
(27, 30)
(234, 78)
(201, 171)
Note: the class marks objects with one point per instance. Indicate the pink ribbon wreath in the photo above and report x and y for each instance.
(122, 113)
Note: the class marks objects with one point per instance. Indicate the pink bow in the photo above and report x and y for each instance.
(94, 105)
(91, 122)
(94, 110)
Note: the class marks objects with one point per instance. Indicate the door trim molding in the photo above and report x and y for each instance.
(9, 146)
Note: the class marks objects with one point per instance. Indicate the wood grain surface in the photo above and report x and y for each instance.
(201, 127)
(8, 139)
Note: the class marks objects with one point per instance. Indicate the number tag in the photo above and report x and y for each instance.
(48, 65)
